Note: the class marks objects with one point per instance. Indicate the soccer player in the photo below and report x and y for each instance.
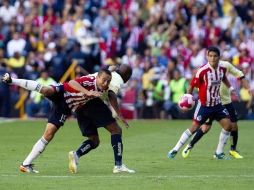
(227, 102)
(65, 100)
(96, 114)
(208, 80)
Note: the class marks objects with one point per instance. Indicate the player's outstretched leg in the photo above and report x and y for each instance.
(26, 84)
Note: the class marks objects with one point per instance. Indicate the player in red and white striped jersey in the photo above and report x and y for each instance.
(208, 80)
(92, 87)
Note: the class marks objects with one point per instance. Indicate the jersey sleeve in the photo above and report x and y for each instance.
(83, 79)
(195, 81)
(234, 71)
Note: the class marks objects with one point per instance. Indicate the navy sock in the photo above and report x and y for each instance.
(117, 145)
(199, 134)
(85, 148)
(234, 139)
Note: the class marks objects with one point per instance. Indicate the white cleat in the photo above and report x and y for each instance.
(73, 162)
(122, 168)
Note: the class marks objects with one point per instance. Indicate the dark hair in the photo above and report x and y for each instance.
(213, 49)
(125, 71)
(104, 70)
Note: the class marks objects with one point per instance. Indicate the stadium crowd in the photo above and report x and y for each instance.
(163, 40)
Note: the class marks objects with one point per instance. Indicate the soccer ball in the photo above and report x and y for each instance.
(186, 102)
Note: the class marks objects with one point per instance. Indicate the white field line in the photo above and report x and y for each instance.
(134, 176)
(2, 120)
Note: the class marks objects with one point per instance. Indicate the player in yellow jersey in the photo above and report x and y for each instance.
(225, 94)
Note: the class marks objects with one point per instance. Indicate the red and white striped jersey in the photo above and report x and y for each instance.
(76, 99)
(208, 80)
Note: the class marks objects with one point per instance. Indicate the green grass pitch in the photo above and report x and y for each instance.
(146, 145)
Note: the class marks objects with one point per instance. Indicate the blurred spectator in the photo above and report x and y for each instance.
(17, 63)
(7, 12)
(154, 37)
(16, 44)
(178, 87)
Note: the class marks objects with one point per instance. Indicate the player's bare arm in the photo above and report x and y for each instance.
(75, 85)
(190, 89)
(113, 102)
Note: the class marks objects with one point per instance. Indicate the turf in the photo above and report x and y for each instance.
(146, 145)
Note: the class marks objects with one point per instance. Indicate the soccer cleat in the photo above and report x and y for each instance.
(27, 168)
(235, 154)
(122, 168)
(73, 162)
(220, 156)
(172, 154)
(186, 151)
(7, 78)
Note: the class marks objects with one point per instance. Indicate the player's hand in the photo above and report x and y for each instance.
(94, 94)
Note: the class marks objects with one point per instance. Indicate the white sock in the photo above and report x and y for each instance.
(38, 148)
(224, 135)
(27, 84)
(185, 136)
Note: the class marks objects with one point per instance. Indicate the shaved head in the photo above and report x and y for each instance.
(125, 71)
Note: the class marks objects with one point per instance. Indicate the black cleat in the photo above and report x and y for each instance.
(6, 78)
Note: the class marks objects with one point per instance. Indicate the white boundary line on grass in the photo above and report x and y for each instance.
(3, 120)
(132, 176)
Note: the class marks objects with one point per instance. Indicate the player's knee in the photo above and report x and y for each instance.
(50, 132)
(96, 144)
(228, 127)
(46, 91)
(114, 128)
(205, 128)
(234, 127)
(95, 140)
(194, 127)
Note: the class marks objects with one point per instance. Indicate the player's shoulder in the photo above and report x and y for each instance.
(116, 78)
(90, 77)
(224, 64)
(202, 69)
(116, 82)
